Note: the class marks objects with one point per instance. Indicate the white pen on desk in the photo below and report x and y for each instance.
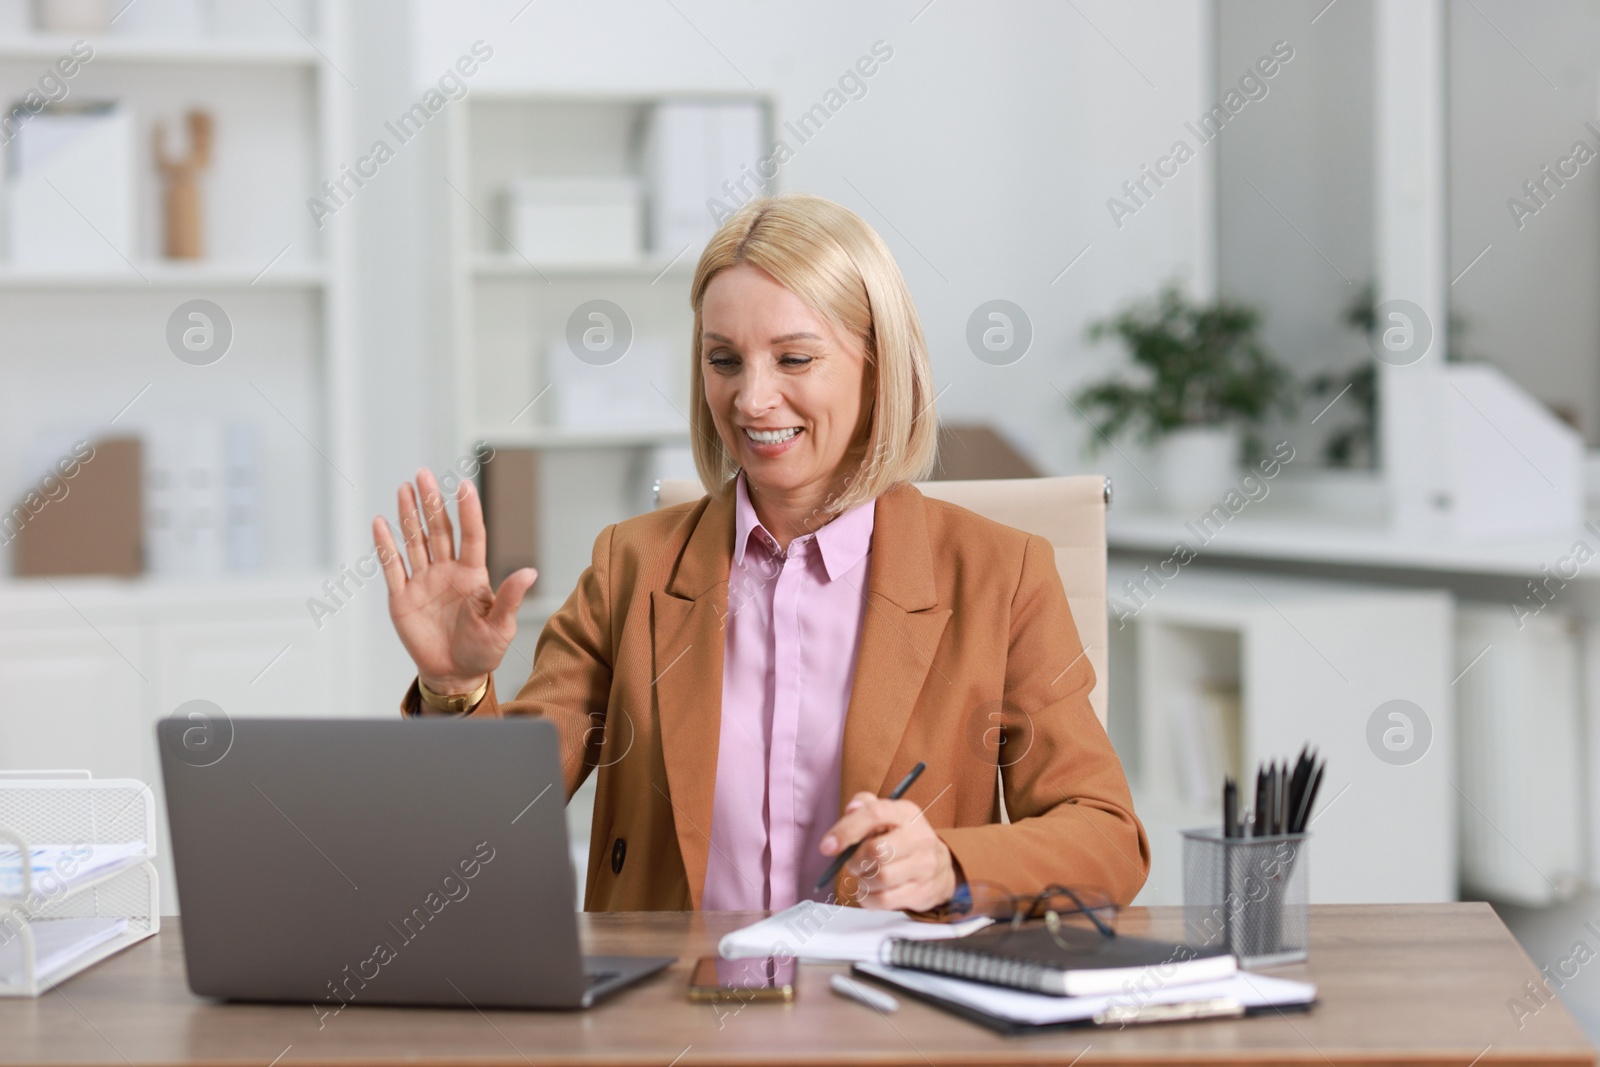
(862, 993)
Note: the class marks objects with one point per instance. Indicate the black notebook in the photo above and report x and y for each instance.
(1069, 962)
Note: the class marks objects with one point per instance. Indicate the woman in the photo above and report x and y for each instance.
(752, 673)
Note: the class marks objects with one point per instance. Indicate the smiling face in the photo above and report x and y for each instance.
(788, 391)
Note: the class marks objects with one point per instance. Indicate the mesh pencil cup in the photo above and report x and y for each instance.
(1248, 894)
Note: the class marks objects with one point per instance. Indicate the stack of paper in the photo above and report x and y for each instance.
(990, 1003)
(816, 931)
(56, 943)
(54, 869)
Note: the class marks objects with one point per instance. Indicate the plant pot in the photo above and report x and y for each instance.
(1196, 466)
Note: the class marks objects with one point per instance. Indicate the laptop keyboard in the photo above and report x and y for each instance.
(594, 978)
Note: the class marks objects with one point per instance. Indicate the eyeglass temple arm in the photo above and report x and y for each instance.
(1099, 923)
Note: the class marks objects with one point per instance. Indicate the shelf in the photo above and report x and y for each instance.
(557, 437)
(543, 97)
(20, 595)
(513, 266)
(198, 51)
(1319, 538)
(161, 275)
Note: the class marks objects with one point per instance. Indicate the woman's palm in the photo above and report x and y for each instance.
(450, 620)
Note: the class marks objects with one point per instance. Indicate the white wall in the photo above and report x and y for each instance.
(404, 372)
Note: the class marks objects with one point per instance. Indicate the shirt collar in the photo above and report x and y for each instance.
(844, 542)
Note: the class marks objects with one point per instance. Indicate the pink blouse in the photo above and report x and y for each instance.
(792, 637)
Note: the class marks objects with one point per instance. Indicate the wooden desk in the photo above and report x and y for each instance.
(1420, 984)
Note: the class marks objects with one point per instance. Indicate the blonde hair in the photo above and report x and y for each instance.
(832, 260)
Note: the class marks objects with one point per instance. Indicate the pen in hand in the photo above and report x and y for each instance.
(844, 857)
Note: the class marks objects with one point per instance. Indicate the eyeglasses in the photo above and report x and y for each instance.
(1058, 905)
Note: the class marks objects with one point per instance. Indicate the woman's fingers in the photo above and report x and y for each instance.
(503, 612)
(474, 541)
(411, 528)
(866, 815)
(441, 534)
(394, 572)
(905, 864)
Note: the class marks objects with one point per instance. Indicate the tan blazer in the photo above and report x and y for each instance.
(967, 633)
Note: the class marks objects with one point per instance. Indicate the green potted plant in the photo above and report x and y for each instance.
(1203, 387)
(1353, 440)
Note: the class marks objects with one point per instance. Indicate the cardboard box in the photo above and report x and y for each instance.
(94, 527)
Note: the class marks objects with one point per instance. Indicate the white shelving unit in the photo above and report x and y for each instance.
(83, 343)
(166, 276)
(508, 265)
(210, 52)
(505, 309)
(107, 657)
(1297, 661)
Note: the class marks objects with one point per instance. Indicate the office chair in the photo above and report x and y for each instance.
(1069, 512)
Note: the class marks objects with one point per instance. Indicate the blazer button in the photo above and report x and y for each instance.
(619, 850)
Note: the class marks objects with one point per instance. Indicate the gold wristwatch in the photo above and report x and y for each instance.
(455, 705)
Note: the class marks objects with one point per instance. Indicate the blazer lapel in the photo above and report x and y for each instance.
(899, 635)
(687, 638)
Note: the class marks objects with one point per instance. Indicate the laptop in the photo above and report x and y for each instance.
(346, 862)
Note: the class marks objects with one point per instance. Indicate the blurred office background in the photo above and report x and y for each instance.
(263, 259)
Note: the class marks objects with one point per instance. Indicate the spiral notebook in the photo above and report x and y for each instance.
(1065, 962)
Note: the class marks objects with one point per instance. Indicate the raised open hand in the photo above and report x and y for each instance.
(453, 624)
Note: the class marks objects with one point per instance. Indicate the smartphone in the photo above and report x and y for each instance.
(717, 980)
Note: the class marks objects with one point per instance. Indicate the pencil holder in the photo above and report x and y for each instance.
(1247, 894)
